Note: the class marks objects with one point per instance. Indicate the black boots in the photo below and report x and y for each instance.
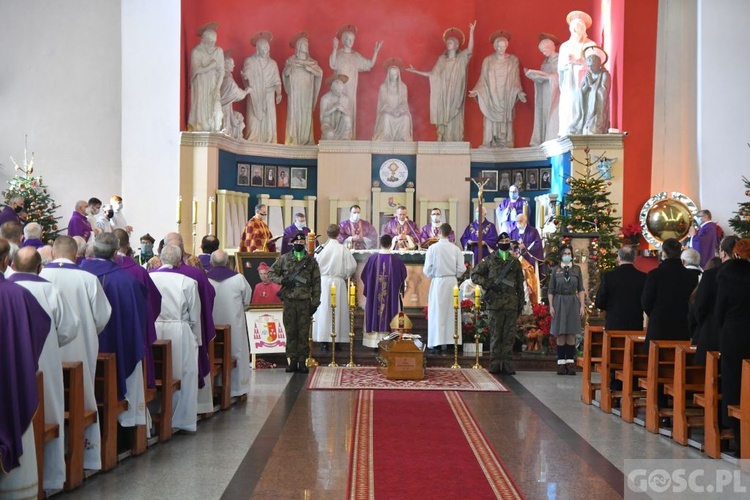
(292, 366)
(302, 366)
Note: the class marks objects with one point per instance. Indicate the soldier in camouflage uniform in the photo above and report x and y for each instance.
(501, 277)
(299, 276)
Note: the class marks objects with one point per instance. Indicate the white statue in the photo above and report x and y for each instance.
(448, 85)
(206, 75)
(233, 121)
(335, 111)
(261, 74)
(591, 112)
(350, 62)
(302, 77)
(546, 92)
(498, 89)
(393, 122)
(571, 65)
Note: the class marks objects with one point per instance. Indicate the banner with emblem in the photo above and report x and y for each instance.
(265, 331)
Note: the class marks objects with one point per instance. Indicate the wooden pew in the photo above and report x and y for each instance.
(77, 418)
(709, 400)
(592, 358)
(635, 364)
(223, 363)
(105, 387)
(613, 358)
(166, 385)
(661, 368)
(688, 378)
(140, 438)
(742, 411)
(43, 433)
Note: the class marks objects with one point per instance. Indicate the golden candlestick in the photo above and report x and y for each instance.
(352, 306)
(455, 330)
(333, 328)
(477, 305)
(311, 362)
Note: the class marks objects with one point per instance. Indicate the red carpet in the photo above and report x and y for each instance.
(395, 458)
(436, 379)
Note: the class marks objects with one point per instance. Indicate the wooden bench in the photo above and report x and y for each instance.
(43, 433)
(689, 379)
(709, 400)
(105, 387)
(140, 437)
(223, 363)
(662, 355)
(592, 358)
(742, 411)
(166, 385)
(77, 418)
(613, 358)
(634, 365)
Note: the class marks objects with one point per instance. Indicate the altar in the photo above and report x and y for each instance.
(417, 284)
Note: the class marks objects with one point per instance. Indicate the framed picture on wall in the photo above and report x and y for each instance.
(254, 267)
(299, 178)
(243, 174)
(545, 178)
(282, 177)
(532, 179)
(519, 180)
(491, 184)
(269, 177)
(504, 180)
(257, 178)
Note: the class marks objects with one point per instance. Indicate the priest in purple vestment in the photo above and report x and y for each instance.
(23, 331)
(79, 224)
(384, 277)
(508, 210)
(403, 231)
(125, 333)
(32, 236)
(298, 226)
(470, 237)
(431, 232)
(129, 265)
(529, 241)
(209, 244)
(706, 240)
(12, 211)
(357, 233)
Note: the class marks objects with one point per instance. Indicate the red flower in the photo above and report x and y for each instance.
(631, 230)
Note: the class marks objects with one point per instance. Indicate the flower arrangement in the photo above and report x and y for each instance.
(632, 232)
(468, 325)
(536, 328)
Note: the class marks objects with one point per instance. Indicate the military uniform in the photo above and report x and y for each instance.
(299, 275)
(502, 280)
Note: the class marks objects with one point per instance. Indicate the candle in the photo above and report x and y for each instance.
(455, 296)
(333, 295)
(352, 295)
(477, 296)
(179, 209)
(210, 210)
(195, 211)
(557, 209)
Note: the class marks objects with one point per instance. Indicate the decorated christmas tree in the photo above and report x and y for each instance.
(587, 210)
(39, 205)
(740, 223)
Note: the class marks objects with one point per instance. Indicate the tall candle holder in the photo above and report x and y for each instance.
(333, 335)
(311, 362)
(352, 306)
(455, 329)
(477, 304)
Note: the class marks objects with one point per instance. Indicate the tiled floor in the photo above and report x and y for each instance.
(287, 442)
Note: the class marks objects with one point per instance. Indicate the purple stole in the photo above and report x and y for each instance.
(79, 226)
(33, 242)
(220, 273)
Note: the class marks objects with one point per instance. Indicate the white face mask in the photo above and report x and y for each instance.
(299, 225)
(354, 217)
(435, 219)
(521, 227)
(95, 211)
(567, 259)
(513, 195)
(117, 207)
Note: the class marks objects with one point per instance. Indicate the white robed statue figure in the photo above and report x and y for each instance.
(206, 75)
(335, 111)
(261, 74)
(571, 65)
(546, 92)
(233, 122)
(393, 122)
(302, 77)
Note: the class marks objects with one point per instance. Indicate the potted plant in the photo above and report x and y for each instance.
(470, 325)
(632, 232)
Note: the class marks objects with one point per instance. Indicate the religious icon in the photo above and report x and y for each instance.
(545, 178)
(269, 177)
(518, 180)
(532, 179)
(504, 180)
(299, 178)
(257, 179)
(243, 174)
(282, 177)
(491, 184)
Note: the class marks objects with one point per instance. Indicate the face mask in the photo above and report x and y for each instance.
(299, 247)
(521, 227)
(262, 217)
(147, 247)
(354, 217)
(117, 207)
(299, 225)
(503, 246)
(476, 217)
(567, 259)
(18, 210)
(435, 219)
(513, 196)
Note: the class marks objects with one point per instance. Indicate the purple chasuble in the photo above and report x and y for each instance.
(125, 333)
(383, 275)
(208, 331)
(289, 233)
(130, 266)
(360, 228)
(430, 231)
(705, 242)
(79, 226)
(24, 326)
(8, 214)
(489, 236)
(409, 228)
(506, 212)
(33, 242)
(221, 273)
(205, 260)
(533, 243)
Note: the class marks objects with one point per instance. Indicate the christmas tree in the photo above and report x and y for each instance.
(740, 223)
(39, 205)
(588, 210)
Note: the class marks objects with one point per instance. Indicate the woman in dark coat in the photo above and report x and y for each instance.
(733, 316)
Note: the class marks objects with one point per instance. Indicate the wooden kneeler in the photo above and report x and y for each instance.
(689, 379)
(43, 433)
(592, 357)
(105, 387)
(709, 400)
(742, 411)
(635, 364)
(77, 418)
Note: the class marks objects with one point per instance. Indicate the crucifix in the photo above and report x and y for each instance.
(479, 182)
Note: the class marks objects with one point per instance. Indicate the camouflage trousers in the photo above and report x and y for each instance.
(502, 336)
(297, 320)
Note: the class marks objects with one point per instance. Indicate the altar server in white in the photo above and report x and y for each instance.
(179, 322)
(86, 296)
(443, 263)
(233, 295)
(63, 329)
(336, 265)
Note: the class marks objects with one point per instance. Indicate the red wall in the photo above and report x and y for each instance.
(411, 30)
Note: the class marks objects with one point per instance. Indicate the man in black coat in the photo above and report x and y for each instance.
(707, 333)
(620, 293)
(666, 294)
